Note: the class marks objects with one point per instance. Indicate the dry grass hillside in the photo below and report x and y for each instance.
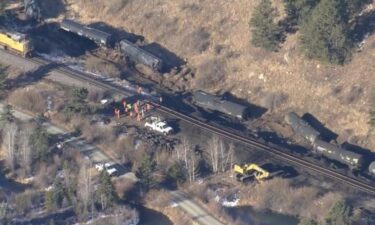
(213, 36)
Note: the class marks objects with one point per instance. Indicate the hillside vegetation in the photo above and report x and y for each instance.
(215, 39)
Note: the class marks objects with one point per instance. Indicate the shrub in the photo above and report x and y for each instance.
(325, 34)
(265, 32)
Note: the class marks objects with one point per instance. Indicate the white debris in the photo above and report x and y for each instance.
(104, 101)
(173, 204)
(49, 188)
(233, 202)
(262, 77)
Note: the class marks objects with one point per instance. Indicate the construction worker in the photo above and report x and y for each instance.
(129, 107)
(140, 90)
(143, 112)
(138, 117)
(136, 109)
(124, 104)
(117, 113)
(148, 107)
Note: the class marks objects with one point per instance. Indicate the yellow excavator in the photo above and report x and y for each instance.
(250, 171)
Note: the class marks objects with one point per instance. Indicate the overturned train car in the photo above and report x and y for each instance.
(301, 127)
(333, 152)
(100, 37)
(141, 56)
(216, 103)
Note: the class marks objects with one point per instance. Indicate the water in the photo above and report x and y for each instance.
(152, 217)
(248, 216)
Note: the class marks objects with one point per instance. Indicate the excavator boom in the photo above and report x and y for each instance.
(250, 170)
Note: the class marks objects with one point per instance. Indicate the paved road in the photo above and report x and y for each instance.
(198, 214)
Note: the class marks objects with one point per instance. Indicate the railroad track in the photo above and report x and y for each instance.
(360, 185)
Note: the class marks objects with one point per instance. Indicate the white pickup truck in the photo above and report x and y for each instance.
(156, 124)
(108, 167)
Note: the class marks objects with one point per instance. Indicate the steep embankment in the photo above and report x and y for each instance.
(214, 38)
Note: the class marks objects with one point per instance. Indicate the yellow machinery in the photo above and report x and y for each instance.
(16, 42)
(250, 171)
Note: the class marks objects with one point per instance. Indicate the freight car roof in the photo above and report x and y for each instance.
(337, 149)
(219, 104)
(85, 30)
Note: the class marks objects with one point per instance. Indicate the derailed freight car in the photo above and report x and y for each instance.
(98, 36)
(216, 103)
(301, 127)
(333, 152)
(141, 56)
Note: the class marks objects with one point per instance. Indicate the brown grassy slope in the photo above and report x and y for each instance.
(213, 32)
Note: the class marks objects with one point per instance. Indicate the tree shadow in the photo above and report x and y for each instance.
(8, 185)
(280, 170)
(52, 9)
(326, 134)
(364, 25)
(31, 77)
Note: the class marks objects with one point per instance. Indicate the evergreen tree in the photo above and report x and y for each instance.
(308, 222)
(266, 33)
(49, 202)
(298, 10)
(58, 193)
(176, 173)
(7, 114)
(372, 110)
(339, 214)
(39, 141)
(324, 35)
(77, 103)
(144, 173)
(3, 74)
(105, 193)
(55, 196)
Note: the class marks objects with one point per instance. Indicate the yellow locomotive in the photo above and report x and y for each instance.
(16, 42)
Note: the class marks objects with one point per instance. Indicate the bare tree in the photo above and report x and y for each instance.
(226, 156)
(220, 156)
(213, 150)
(9, 143)
(85, 187)
(25, 150)
(185, 153)
(191, 166)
